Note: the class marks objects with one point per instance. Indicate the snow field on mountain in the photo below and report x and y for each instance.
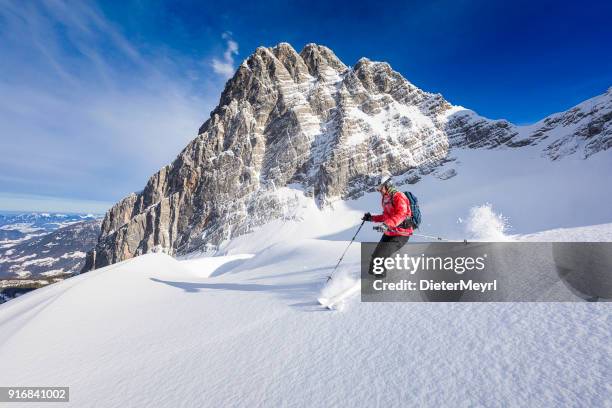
(502, 192)
(533, 194)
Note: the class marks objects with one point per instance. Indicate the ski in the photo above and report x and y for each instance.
(334, 302)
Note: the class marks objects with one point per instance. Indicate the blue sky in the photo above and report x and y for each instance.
(98, 96)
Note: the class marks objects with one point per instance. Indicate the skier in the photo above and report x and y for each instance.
(395, 218)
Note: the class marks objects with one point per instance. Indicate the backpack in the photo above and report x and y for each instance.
(415, 220)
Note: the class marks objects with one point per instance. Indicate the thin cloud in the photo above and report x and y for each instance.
(225, 66)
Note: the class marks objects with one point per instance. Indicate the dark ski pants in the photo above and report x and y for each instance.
(387, 246)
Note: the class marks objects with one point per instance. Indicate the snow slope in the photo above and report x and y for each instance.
(533, 193)
(244, 329)
(154, 331)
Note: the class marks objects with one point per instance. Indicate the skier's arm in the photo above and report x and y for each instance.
(378, 218)
(400, 211)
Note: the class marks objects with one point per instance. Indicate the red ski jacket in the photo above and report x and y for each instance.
(396, 208)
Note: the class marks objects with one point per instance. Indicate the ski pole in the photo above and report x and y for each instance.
(384, 228)
(437, 238)
(430, 236)
(346, 249)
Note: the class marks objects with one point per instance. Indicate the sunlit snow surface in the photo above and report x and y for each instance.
(152, 332)
(245, 329)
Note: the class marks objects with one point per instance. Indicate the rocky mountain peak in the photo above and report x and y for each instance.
(305, 119)
(318, 58)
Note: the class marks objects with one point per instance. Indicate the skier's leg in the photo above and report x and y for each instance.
(398, 242)
(379, 252)
(387, 246)
(394, 244)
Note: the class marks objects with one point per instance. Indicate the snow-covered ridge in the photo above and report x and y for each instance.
(583, 130)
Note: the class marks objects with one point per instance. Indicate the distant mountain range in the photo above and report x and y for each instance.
(41, 248)
(17, 227)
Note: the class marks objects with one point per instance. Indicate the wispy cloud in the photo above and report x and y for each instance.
(225, 66)
(85, 113)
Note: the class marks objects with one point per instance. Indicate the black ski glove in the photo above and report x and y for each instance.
(367, 217)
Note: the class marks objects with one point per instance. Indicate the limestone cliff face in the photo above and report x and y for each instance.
(298, 118)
